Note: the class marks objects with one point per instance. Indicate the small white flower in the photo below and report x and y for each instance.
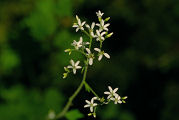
(91, 29)
(116, 99)
(101, 53)
(111, 92)
(90, 104)
(74, 66)
(90, 56)
(51, 115)
(99, 14)
(78, 44)
(102, 26)
(78, 25)
(99, 36)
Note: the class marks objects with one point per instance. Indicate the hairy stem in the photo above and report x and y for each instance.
(67, 106)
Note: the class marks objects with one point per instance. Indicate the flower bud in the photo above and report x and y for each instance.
(124, 97)
(109, 35)
(89, 114)
(107, 19)
(65, 75)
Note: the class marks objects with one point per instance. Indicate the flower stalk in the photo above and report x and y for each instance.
(86, 49)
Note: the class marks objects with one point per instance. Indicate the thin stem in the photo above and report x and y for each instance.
(90, 42)
(67, 106)
(86, 33)
(101, 43)
(91, 89)
(79, 51)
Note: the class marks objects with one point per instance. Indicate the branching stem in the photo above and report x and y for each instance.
(67, 106)
(83, 82)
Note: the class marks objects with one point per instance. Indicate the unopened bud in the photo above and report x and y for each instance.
(65, 75)
(89, 114)
(124, 97)
(67, 50)
(109, 35)
(107, 19)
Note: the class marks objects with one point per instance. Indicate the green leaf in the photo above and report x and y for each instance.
(64, 8)
(41, 21)
(74, 115)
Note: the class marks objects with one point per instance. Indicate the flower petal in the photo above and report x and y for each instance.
(88, 102)
(81, 40)
(88, 50)
(120, 101)
(91, 109)
(83, 23)
(76, 64)
(74, 71)
(109, 96)
(92, 25)
(95, 104)
(97, 49)
(103, 33)
(110, 89)
(115, 90)
(87, 26)
(78, 67)
(106, 55)
(100, 57)
(72, 62)
(86, 106)
(75, 25)
(69, 66)
(98, 33)
(90, 61)
(77, 29)
(107, 93)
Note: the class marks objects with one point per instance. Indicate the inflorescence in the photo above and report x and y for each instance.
(98, 32)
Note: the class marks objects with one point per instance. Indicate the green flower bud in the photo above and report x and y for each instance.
(65, 75)
(124, 98)
(109, 35)
(69, 51)
(89, 114)
(107, 19)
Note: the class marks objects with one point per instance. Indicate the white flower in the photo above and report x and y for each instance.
(74, 66)
(91, 29)
(99, 35)
(51, 115)
(116, 99)
(111, 92)
(78, 44)
(101, 53)
(90, 104)
(102, 26)
(99, 14)
(78, 25)
(90, 56)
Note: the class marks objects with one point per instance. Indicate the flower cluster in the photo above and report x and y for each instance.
(95, 31)
(112, 96)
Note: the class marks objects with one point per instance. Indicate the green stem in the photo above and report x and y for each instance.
(67, 106)
(90, 42)
(101, 43)
(91, 89)
(79, 51)
(86, 33)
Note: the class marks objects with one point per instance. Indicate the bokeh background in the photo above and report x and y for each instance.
(144, 60)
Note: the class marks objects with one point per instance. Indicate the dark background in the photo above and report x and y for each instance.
(144, 60)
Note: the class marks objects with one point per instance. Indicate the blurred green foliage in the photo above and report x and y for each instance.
(144, 58)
